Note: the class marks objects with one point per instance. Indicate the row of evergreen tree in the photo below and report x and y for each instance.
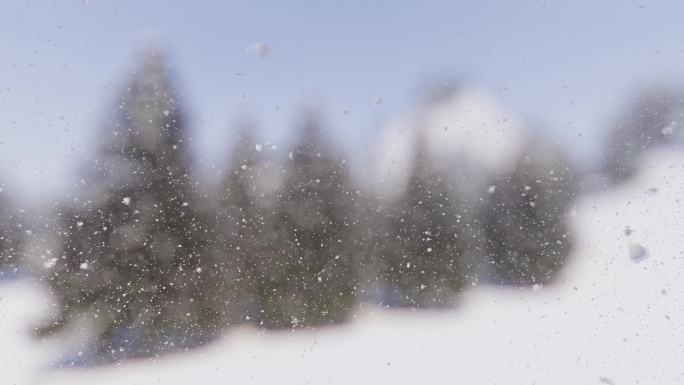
(154, 265)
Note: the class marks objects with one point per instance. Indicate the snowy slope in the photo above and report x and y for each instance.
(22, 304)
(608, 320)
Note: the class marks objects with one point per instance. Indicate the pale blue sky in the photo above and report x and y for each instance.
(567, 67)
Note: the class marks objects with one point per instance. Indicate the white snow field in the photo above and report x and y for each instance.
(608, 320)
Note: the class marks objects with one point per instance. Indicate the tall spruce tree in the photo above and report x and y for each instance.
(424, 241)
(303, 270)
(134, 256)
(368, 237)
(527, 237)
(241, 229)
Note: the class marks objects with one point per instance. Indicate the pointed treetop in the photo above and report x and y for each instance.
(309, 140)
(311, 126)
(149, 112)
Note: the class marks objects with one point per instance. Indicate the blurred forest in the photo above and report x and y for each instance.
(152, 262)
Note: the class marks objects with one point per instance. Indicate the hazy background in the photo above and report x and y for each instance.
(571, 72)
(566, 67)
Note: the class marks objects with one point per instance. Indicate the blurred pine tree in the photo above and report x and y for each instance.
(12, 236)
(526, 233)
(304, 273)
(653, 119)
(242, 231)
(134, 258)
(423, 245)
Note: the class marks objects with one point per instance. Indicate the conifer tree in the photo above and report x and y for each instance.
(421, 255)
(241, 228)
(527, 237)
(304, 271)
(134, 258)
(652, 120)
(11, 236)
(368, 237)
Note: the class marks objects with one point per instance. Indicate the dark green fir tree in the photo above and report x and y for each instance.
(135, 258)
(423, 245)
(653, 119)
(303, 270)
(527, 237)
(12, 236)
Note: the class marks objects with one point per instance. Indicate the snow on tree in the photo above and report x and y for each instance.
(134, 255)
(527, 239)
(368, 235)
(303, 271)
(423, 241)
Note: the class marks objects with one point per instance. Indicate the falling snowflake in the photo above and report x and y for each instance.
(669, 129)
(637, 252)
(260, 49)
(50, 263)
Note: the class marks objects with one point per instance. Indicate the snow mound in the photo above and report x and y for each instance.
(473, 124)
(23, 305)
(469, 129)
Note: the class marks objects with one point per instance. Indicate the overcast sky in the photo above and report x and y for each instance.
(569, 68)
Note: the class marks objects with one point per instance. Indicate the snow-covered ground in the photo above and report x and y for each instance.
(608, 320)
